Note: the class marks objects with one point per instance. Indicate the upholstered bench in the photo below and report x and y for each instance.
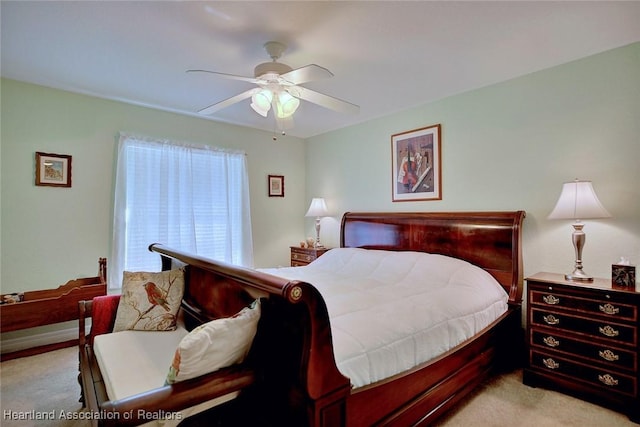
(131, 377)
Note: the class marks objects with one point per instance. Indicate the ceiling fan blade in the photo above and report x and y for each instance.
(227, 102)
(324, 100)
(227, 76)
(307, 73)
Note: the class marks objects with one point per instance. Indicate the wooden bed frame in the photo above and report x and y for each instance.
(294, 380)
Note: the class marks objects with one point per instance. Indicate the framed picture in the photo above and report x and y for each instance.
(276, 186)
(53, 170)
(623, 275)
(416, 172)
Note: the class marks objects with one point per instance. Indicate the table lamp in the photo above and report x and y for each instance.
(578, 201)
(318, 208)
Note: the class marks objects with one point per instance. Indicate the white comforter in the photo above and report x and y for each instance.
(391, 311)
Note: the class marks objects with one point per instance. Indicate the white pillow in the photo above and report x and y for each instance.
(215, 345)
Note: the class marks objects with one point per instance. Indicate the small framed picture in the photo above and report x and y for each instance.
(53, 170)
(415, 165)
(276, 186)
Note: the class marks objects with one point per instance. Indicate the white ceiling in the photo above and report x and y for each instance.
(386, 56)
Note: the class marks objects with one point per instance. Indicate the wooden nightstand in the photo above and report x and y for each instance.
(582, 339)
(303, 256)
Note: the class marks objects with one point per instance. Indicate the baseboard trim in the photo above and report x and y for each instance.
(44, 339)
(37, 350)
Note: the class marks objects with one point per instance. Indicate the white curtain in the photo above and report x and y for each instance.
(189, 197)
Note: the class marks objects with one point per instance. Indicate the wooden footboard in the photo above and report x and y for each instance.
(292, 352)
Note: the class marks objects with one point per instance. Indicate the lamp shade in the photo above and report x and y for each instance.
(286, 105)
(578, 200)
(261, 102)
(317, 208)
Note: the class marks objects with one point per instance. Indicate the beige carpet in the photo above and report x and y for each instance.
(47, 384)
(42, 385)
(505, 401)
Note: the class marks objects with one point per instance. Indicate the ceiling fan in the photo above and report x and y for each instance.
(279, 88)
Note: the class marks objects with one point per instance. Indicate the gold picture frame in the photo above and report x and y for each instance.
(416, 165)
(53, 170)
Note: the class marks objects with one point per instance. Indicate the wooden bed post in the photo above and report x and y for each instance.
(326, 387)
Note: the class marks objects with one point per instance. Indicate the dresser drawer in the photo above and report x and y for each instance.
(609, 380)
(614, 357)
(582, 339)
(608, 306)
(603, 329)
(302, 257)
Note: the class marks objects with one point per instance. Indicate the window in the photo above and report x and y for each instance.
(189, 197)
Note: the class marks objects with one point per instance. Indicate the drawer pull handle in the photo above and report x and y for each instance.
(607, 379)
(551, 299)
(608, 331)
(608, 355)
(551, 319)
(551, 341)
(609, 309)
(550, 363)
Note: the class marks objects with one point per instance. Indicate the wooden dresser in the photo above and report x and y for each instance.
(303, 256)
(582, 339)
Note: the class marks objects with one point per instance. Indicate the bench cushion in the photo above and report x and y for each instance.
(132, 362)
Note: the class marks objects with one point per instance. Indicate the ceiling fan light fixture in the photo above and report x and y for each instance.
(258, 110)
(279, 88)
(286, 105)
(261, 102)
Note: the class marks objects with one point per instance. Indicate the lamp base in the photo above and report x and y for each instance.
(318, 245)
(578, 237)
(578, 276)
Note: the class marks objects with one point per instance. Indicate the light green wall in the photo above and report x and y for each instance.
(510, 146)
(506, 146)
(51, 235)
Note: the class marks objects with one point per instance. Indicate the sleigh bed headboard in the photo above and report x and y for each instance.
(490, 240)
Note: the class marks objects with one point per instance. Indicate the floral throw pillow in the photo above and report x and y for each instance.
(149, 301)
(215, 345)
